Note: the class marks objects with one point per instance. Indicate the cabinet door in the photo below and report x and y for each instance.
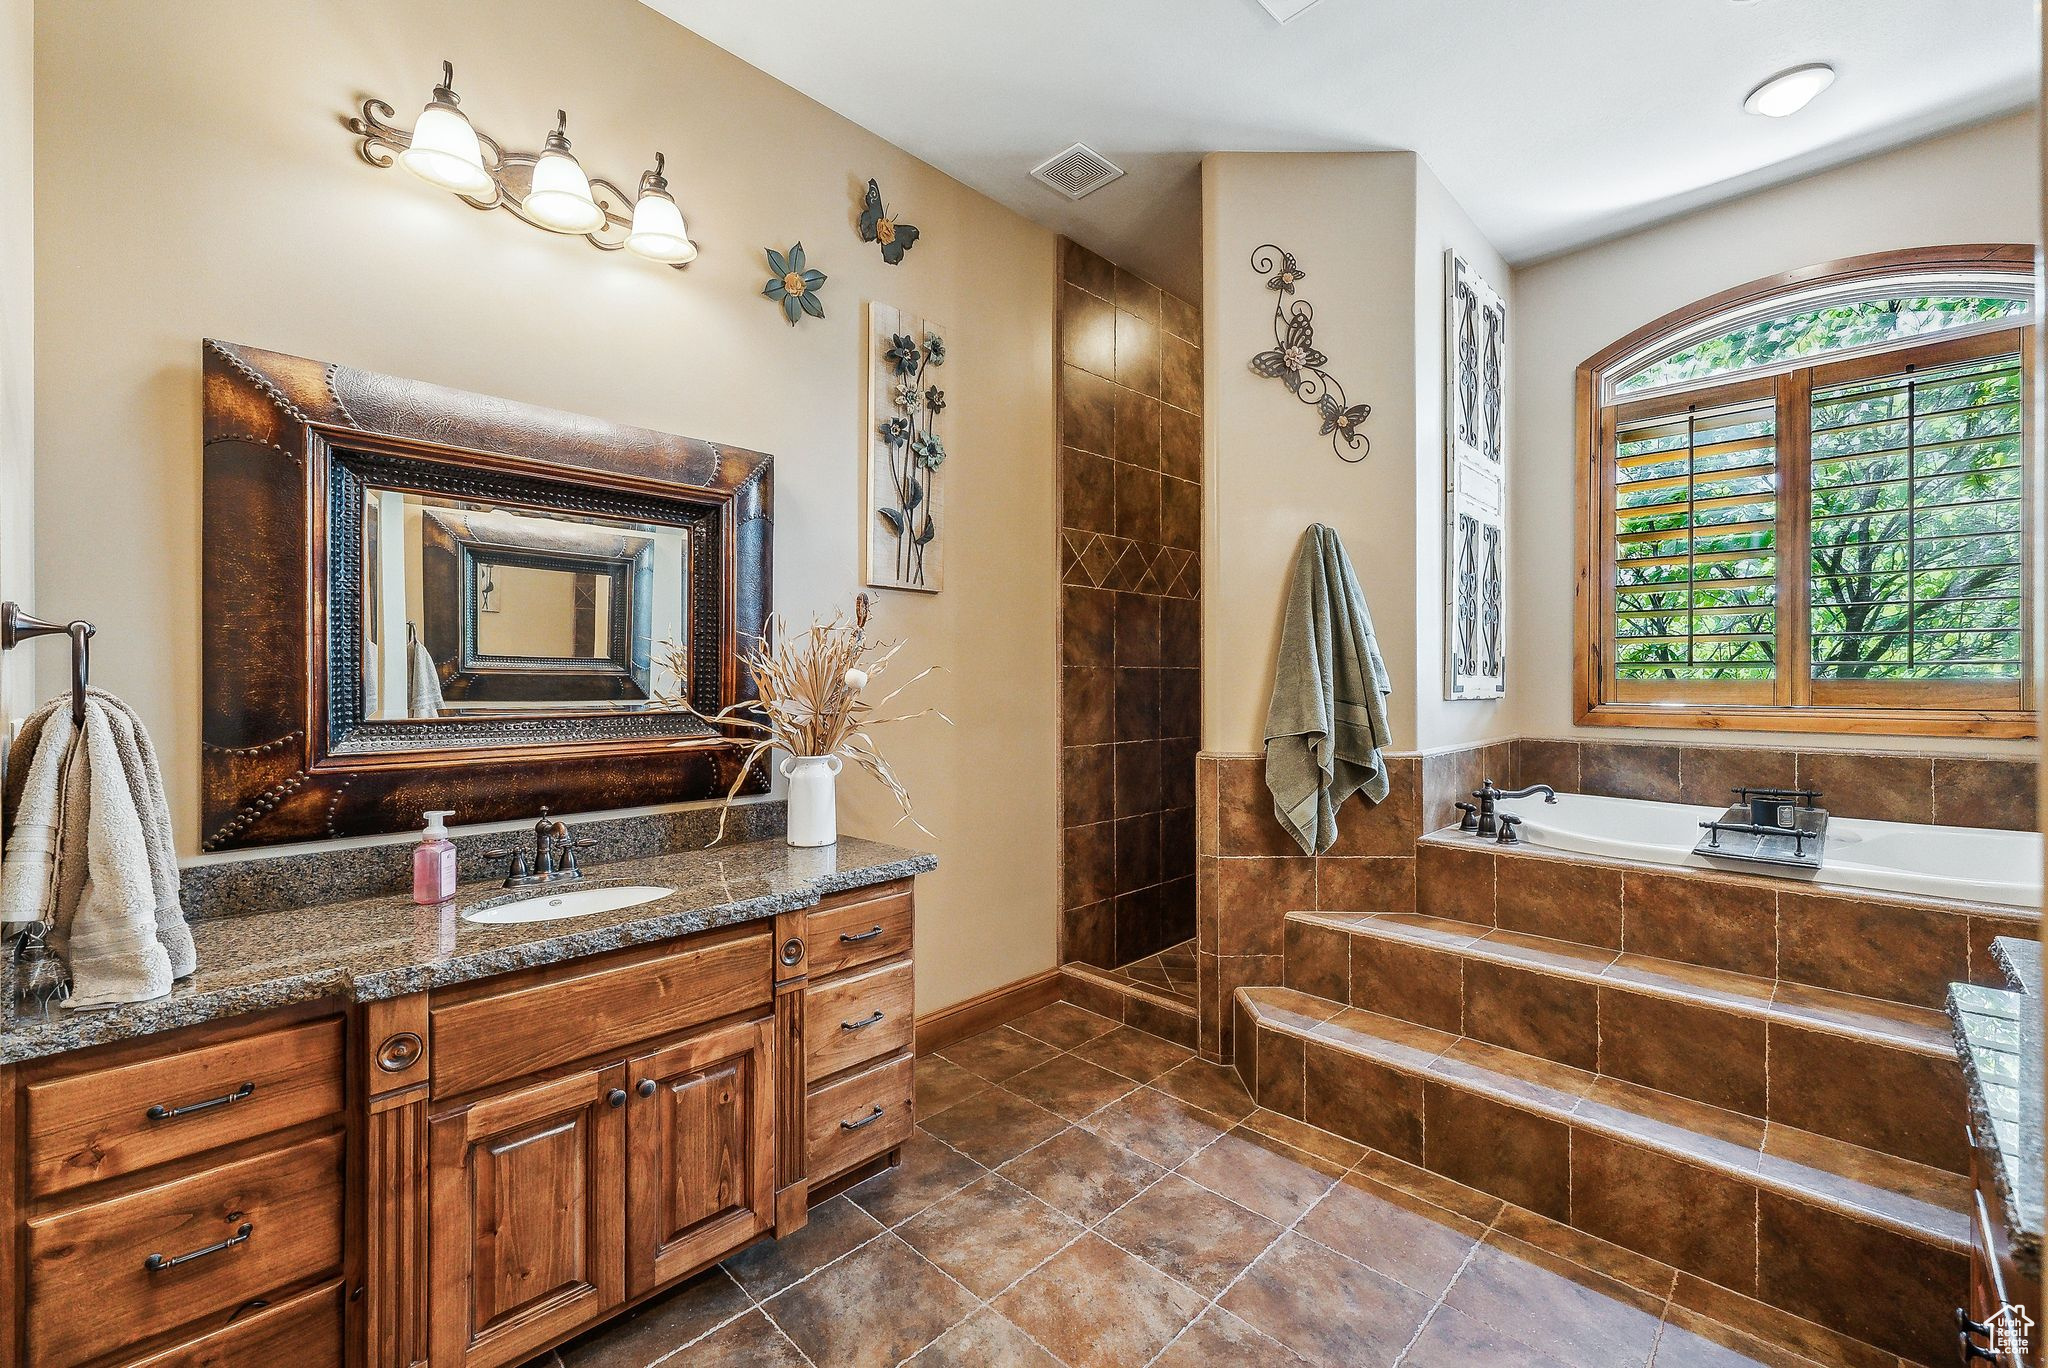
(701, 1149)
(527, 1218)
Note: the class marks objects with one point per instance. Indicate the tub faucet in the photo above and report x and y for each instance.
(1489, 796)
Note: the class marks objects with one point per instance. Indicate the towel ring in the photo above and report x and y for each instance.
(17, 626)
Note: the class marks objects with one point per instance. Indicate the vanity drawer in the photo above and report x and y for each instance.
(575, 1012)
(860, 1117)
(857, 1017)
(862, 931)
(91, 1288)
(304, 1331)
(88, 1126)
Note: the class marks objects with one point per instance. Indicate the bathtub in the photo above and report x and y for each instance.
(1896, 857)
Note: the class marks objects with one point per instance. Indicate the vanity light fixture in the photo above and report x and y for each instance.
(444, 149)
(659, 233)
(548, 189)
(1788, 92)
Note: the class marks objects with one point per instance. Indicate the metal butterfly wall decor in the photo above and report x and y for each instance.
(876, 226)
(1295, 362)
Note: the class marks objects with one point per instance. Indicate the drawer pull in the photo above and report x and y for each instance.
(867, 1120)
(848, 938)
(862, 1024)
(162, 1113)
(157, 1263)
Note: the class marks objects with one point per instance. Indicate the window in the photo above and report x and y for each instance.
(1805, 505)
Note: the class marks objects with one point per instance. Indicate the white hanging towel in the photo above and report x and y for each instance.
(91, 852)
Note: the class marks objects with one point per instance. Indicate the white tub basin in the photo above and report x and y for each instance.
(542, 905)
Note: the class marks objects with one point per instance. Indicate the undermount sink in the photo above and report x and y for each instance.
(542, 905)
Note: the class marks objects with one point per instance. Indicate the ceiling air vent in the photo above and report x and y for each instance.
(1078, 171)
(1285, 10)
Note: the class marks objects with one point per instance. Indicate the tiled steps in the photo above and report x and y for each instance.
(1796, 1056)
(1866, 1243)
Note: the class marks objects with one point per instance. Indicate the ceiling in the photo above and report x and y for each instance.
(1554, 122)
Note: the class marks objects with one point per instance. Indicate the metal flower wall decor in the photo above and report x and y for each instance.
(1294, 361)
(906, 453)
(878, 227)
(794, 285)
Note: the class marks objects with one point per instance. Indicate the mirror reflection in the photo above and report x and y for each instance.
(472, 609)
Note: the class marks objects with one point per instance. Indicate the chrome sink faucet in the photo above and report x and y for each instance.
(554, 854)
(1485, 819)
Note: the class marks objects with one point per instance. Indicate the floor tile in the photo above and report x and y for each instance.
(1275, 1180)
(1454, 1340)
(1082, 1174)
(1556, 1307)
(1212, 1087)
(989, 1234)
(941, 1083)
(993, 1126)
(1095, 1306)
(1134, 1053)
(1302, 1136)
(1163, 1129)
(1217, 1338)
(1064, 1025)
(984, 1340)
(929, 1170)
(1432, 1188)
(1190, 1232)
(1070, 1087)
(998, 1054)
(752, 1341)
(835, 1228)
(875, 1307)
(663, 1325)
(1690, 1340)
(1393, 1232)
(1326, 1308)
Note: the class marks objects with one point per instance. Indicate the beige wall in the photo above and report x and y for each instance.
(264, 228)
(1975, 186)
(17, 339)
(1370, 229)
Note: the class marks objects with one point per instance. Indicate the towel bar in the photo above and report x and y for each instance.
(17, 627)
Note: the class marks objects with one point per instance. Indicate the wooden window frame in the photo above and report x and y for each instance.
(1793, 702)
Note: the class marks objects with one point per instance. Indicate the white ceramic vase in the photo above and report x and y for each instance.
(813, 804)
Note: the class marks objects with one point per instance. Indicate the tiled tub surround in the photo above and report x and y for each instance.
(1130, 402)
(1078, 1193)
(385, 947)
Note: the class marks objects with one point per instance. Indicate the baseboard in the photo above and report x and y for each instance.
(937, 1030)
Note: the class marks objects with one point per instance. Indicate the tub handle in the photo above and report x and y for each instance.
(1508, 823)
(1470, 820)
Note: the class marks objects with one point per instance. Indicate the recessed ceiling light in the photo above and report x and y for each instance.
(1788, 92)
(1285, 10)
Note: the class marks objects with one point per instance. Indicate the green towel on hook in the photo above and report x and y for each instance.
(1327, 722)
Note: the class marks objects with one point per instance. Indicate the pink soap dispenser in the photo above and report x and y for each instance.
(433, 862)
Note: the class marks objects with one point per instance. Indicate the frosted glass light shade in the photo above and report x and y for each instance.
(560, 198)
(659, 233)
(444, 152)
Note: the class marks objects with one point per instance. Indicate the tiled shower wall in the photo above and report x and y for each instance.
(1130, 425)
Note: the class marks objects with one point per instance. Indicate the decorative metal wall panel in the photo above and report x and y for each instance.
(1475, 484)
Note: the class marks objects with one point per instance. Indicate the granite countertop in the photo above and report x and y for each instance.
(1999, 1038)
(377, 948)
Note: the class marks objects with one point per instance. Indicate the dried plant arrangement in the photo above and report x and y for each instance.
(813, 686)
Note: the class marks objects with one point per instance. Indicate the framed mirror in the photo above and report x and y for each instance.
(416, 598)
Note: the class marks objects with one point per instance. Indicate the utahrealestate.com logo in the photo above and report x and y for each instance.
(2007, 1329)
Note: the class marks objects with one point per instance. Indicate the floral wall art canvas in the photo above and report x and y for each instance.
(907, 459)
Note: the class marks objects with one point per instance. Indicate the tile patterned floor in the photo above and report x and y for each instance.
(1079, 1193)
(1171, 971)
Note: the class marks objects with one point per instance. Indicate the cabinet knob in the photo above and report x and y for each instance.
(647, 1087)
(616, 1097)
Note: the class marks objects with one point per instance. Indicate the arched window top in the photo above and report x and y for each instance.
(1867, 304)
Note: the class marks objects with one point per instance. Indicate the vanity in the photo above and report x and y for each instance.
(372, 1134)
(382, 1135)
